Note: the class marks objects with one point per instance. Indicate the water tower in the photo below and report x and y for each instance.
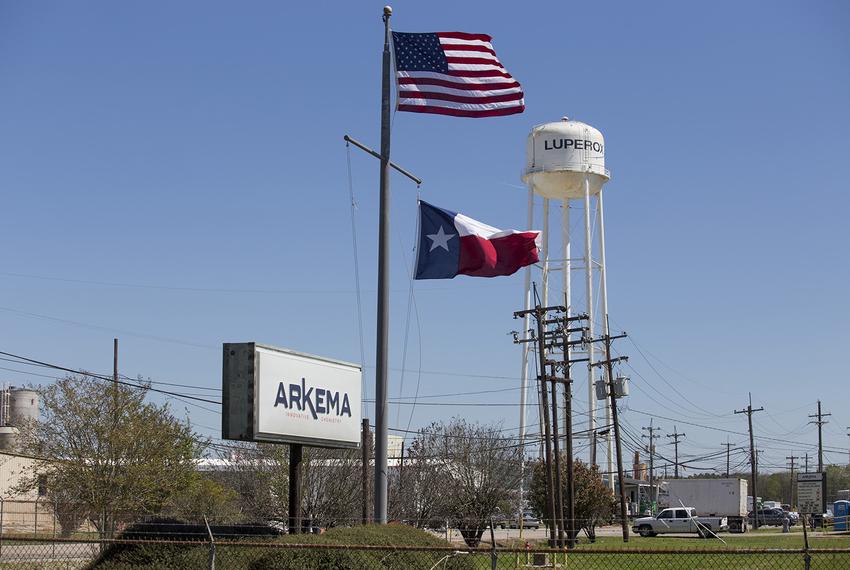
(565, 162)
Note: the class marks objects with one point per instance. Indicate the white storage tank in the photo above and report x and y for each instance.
(558, 156)
(23, 406)
(8, 438)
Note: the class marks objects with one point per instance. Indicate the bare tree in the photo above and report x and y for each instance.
(413, 487)
(331, 486)
(462, 471)
(259, 473)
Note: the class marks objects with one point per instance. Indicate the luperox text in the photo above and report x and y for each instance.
(300, 397)
(578, 144)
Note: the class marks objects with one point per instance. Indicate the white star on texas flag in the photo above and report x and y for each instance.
(440, 239)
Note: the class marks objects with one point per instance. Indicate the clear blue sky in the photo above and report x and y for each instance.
(174, 174)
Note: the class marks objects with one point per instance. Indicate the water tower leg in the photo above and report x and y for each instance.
(544, 302)
(603, 293)
(588, 268)
(545, 295)
(565, 239)
(526, 324)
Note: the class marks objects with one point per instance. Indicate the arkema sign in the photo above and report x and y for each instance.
(279, 395)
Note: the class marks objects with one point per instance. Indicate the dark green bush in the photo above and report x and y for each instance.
(255, 558)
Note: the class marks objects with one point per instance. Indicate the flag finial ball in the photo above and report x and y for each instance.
(388, 10)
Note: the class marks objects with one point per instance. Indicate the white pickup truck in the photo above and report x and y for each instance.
(679, 520)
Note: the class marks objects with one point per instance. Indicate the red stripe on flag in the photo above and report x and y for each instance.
(465, 36)
(479, 73)
(462, 113)
(453, 85)
(481, 60)
(460, 98)
(481, 257)
(466, 47)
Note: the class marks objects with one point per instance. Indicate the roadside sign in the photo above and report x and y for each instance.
(811, 493)
(278, 395)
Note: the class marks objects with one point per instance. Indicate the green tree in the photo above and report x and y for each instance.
(109, 455)
(594, 503)
(205, 497)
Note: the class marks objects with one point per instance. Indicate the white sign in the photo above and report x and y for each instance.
(307, 398)
(811, 492)
(278, 395)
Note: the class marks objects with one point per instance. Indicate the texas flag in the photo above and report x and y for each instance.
(453, 244)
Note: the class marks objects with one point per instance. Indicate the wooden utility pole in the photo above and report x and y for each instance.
(653, 496)
(115, 363)
(612, 396)
(559, 495)
(675, 435)
(807, 463)
(566, 331)
(728, 448)
(539, 314)
(753, 465)
(819, 422)
(792, 459)
(549, 340)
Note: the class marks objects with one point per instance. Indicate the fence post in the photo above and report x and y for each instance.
(2, 508)
(55, 510)
(35, 523)
(211, 565)
(807, 558)
(494, 562)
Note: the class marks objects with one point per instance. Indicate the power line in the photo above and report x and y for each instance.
(106, 378)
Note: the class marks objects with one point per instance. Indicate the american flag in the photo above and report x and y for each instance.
(453, 73)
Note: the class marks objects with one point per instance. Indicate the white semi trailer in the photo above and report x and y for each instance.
(709, 497)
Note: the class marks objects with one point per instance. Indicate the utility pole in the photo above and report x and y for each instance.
(753, 465)
(612, 396)
(566, 331)
(819, 421)
(539, 336)
(728, 449)
(552, 333)
(675, 435)
(559, 494)
(653, 496)
(807, 462)
(791, 459)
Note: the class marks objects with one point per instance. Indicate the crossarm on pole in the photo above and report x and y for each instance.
(365, 148)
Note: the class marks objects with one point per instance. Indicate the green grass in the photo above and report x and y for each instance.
(748, 540)
(586, 556)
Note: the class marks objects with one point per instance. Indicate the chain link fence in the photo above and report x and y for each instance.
(41, 535)
(258, 555)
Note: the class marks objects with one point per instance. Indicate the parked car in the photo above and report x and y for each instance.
(499, 520)
(529, 520)
(769, 517)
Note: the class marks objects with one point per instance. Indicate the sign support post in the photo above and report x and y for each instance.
(296, 451)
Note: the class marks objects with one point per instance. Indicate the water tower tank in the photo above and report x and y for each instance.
(559, 155)
(23, 406)
(8, 438)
